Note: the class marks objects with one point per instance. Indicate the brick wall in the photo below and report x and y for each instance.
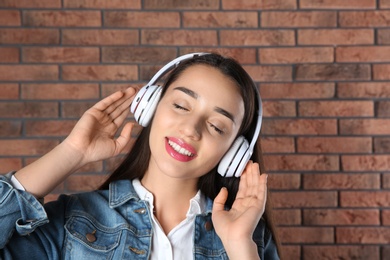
(323, 71)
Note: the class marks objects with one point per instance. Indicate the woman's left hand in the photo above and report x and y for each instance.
(235, 227)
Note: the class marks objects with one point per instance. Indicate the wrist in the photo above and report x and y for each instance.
(241, 249)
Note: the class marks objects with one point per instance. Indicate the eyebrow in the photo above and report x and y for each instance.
(195, 96)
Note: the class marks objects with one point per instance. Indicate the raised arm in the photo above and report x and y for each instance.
(236, 226)
(92, 139)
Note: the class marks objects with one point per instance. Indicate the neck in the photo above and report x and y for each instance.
(171, 198)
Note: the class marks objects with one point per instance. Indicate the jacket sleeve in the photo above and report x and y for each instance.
(24, 225)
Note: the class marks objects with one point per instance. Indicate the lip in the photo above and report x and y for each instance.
(176, 155)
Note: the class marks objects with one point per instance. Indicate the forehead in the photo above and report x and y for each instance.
(212, 86)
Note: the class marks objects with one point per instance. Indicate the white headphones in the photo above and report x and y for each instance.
(145, 103)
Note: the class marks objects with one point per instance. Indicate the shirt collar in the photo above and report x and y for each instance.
(122, 191)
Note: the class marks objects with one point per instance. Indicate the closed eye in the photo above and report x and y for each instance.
(219, 131)
(179, 107)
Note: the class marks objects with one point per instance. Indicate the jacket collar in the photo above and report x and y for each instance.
(122, 191)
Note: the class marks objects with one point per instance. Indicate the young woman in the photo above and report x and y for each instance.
(166, 200)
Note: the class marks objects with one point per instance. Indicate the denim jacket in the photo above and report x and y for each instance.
(104, 224)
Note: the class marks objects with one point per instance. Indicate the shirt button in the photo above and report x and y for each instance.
(208, 225)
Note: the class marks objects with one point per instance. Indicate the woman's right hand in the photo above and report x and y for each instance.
(93, 137)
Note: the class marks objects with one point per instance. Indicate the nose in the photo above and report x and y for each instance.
(191, 127)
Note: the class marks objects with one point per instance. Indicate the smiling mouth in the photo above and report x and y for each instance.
(180, 149)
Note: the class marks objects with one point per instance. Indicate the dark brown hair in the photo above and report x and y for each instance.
(136, 162)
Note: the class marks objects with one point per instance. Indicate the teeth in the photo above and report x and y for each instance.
(179, 149)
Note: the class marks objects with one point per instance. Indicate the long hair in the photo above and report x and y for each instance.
(136, 162)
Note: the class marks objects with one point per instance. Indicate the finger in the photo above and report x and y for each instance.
(123, 140)
(242, 187)
(220, 200)
(121, 104)
(108, 101)
(119, 115)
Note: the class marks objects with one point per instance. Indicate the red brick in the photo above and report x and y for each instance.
(220, 19)
(279, 109)
(26, 147)
(148, 71)
(363, 235)
(75, 109)
(364, 126)
(306, 235)
(31, 3)
(386, 181)
(384, 4)
(381, 71)
(178, 37)
(382, 145)
(331, 4)
(262, 4)
(62, 91)
(297, 162)
(257, 38)
(28, 109)
(342, 108)
(290, 252)
(333, 72)
(277, 145)
(296, 55)
(385, 252)
(10, 18)
(364, 19)
(385, 216)
(316, 19)
(335, 36)
(383, 36)
(60, 55)
(340, 217)
(10, 128)
(363, 90)
(297, 90)
(334, 145)
(103, 4)
(365, 162)
(284, 181)
(141, 19)
(138, 54)
(99, 37)
(242, 55)
(269, 73)
(62, 18)
(28, 72)
(291, 217)
(173, 4)
(48, 127)
(99, 72)
(299, 127)
(382, 109)
(10, 164)
(84, 182)
(299, 199)
(9, 91)
(363, 54)
(29, 36)
(341, 181)
(367, 199)
(340, 252)
(9, 55)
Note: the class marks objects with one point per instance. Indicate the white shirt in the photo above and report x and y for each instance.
(178, 244)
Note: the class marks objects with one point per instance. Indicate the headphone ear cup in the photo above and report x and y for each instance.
(145, 103)
(234, 161)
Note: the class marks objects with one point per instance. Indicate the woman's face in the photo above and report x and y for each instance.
(195, 123)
